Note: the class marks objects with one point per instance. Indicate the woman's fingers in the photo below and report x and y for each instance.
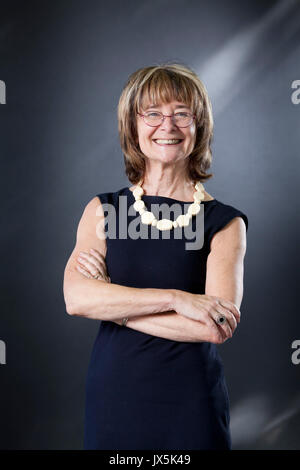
(101, 259)
(217, 332)
(225, 327)
(91, 267)
(84, 272)
(97, 255)
(231, 307)
(91, 273)
(230, 318)
(92, 263)
(216, 310)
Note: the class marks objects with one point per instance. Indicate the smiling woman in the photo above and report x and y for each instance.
(155, 378)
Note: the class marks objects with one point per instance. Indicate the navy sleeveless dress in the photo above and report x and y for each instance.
(143, 391)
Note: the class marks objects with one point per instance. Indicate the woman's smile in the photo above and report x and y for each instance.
(167, 142)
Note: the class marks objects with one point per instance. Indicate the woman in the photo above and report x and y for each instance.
(155, 378)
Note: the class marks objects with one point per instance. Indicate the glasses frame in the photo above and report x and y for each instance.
(163, 118)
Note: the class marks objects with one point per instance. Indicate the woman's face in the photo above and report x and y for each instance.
(148, 135)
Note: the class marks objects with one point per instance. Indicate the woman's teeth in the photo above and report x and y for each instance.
(173, 141)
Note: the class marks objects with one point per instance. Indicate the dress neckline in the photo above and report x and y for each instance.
(165, 197)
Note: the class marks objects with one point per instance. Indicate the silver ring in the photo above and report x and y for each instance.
(96, 276)
(221, 320)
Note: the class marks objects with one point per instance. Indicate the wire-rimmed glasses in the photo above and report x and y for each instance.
(156, 118)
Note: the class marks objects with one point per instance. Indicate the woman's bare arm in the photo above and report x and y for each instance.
(225, 263)
(168, 325)
(100, 300)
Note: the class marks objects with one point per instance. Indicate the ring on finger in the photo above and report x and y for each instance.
(220, 319)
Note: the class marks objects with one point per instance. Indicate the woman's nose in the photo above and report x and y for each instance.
(167, 123)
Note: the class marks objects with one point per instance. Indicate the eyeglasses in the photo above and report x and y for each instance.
(155, 118)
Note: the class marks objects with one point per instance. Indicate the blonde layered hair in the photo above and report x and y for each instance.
(163, 84)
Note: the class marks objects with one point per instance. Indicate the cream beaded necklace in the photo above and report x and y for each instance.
(182, 220)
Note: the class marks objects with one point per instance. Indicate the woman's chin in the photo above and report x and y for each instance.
(166, 156)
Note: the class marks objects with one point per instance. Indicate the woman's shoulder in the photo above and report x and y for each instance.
(222, 212)
(111, 196)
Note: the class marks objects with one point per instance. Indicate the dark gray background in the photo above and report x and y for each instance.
(64, 64)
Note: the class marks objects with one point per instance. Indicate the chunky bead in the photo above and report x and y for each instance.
(154, 222)
(147, 217)
(183, 220)
(175, 224)
(138, 191)
(198, 196)
(194, 208)
(199, 186)
(164, 224)
(138, 205)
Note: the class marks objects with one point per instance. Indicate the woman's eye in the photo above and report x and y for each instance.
(182, 114)
(153, 114)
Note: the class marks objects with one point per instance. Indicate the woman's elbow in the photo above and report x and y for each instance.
(71, 299)
(71, 308)
(70, 305)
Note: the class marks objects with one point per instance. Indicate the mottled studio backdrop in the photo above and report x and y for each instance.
(62, 68)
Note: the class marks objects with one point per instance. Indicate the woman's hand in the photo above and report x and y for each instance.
(93, 264)
(206, 309)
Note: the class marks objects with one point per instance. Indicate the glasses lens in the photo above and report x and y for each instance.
(153, 118)
(181, 119)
